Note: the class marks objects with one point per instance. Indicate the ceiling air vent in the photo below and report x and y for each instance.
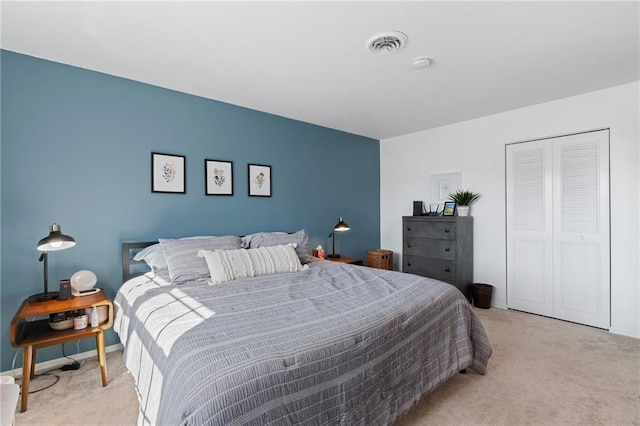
(386, 43)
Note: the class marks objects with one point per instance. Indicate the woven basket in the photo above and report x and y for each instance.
(381, 259)
(482, 295)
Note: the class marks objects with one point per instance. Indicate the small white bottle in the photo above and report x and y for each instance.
(95, 319)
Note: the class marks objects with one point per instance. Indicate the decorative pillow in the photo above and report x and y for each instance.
(228, 265)
(182, 256)
(268, 239)
(153, 255)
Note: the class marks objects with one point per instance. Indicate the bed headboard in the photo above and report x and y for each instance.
(132, 268)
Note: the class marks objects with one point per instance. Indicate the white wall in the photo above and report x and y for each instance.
(477, 149)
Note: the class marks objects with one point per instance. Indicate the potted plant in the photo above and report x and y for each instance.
(463, 200)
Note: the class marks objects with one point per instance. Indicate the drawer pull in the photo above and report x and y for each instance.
(446, 231)
(447, 270)
(447, 249)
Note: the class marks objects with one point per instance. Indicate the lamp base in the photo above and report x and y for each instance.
(333, 256)
(43, 297)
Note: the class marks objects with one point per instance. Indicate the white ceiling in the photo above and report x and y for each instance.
(308, 60)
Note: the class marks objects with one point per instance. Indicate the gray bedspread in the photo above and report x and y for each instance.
(335, 344)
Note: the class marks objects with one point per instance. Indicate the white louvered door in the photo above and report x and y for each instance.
(581, 221)
(558, 260)
(530, 230)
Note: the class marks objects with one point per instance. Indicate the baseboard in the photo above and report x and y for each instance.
(613, 330)
(59, 362)
(625, 332)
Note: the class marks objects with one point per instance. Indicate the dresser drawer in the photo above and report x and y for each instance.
(431, 248)
(444, 270)
(438, 230)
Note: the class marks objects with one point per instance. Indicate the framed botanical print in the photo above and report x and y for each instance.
(218, 177)
(168, 173)
(259, 180)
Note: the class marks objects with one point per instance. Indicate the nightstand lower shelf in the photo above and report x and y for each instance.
(33, 335)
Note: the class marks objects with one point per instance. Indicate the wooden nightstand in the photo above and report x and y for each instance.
(32, 335)
(350, 260)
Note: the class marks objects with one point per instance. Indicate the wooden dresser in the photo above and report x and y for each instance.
(439, 247)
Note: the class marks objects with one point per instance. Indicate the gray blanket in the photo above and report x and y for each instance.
(335, 344)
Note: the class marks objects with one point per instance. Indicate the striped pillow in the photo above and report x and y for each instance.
(228, 265)
(268, 239)
(153, 255)
(182, 256)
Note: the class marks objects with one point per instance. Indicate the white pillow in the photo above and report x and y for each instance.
(227, 265)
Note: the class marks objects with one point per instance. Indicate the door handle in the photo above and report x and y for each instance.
(447, 249)
(447, 270)
(446, 231)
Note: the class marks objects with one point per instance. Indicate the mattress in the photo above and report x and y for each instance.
(334, 344)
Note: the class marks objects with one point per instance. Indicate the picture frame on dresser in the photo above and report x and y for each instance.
(449, 208)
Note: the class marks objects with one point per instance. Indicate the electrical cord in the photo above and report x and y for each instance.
(75, 365)
(13, 364)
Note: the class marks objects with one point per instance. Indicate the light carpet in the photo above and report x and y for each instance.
(542, 372)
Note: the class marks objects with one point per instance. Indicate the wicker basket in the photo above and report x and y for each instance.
(481, 295)
(381, 259)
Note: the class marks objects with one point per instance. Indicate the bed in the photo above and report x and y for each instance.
(331, 343)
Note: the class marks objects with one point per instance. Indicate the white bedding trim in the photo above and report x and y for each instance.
(228, 265)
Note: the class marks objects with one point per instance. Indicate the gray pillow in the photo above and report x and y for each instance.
(153, 256)
(182, 256)
(268, 239)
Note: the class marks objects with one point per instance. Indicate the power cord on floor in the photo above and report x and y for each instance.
(16, 379)
(75, 365)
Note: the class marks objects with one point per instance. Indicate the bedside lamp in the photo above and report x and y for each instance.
(340, 227)
(55, 241)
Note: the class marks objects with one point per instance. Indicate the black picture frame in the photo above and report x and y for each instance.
(218, 177)
(168, 173)
(449, 208)
(260, 179)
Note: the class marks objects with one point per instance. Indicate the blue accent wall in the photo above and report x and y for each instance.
(76, 150)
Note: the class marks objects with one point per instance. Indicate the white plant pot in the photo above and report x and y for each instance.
(463, 210)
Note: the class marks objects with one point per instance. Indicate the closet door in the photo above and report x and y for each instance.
(530, 228)
(558, 261)
(581, 234)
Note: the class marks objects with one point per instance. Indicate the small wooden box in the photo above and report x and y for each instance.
(381, 259)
